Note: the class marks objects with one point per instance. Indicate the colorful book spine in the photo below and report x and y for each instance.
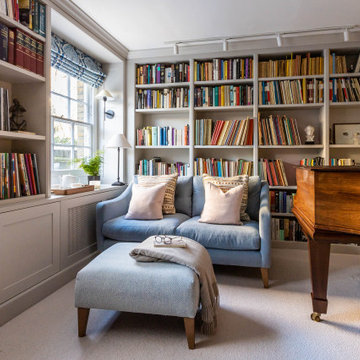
(4, 42)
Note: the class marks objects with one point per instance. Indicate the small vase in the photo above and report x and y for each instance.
(92, 178)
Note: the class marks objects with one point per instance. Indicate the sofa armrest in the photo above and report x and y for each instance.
(265, 225)
(110, 209)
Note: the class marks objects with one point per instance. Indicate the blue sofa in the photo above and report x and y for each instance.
(247, 245)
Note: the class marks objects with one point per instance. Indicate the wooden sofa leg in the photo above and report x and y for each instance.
(83, 316)
(190, 332)
(265, 277)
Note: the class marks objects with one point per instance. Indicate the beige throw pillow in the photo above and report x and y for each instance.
(227, 183)
(170, 181)
(146, 202)
(222, 207)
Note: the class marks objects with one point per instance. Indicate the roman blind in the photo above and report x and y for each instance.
(76, 63)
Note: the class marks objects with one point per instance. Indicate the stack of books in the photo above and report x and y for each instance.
(30, 13)
(281, 201)
(226, 95)
(291, 92)
(297, 65)
(286, 229)
(224, 132)
(276, 130)
(20, 49)
(273, 172)
(19, 175)
(317, 161)
(157, 167)
(341, 162)
(4, 110)
(221, 167)
(344, 90)
(162, 73)
(223, 69)
(341, 64)
(162, 136)
(162, 99)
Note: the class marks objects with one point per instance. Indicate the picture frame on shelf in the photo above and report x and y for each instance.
(346, 133)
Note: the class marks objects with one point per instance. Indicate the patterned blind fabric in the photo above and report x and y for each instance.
(75, 62)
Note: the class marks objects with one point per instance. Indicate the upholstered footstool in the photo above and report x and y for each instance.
(115, 281)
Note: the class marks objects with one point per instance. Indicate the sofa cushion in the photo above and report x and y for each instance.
(253, 205)
(227, 237)
(198, 199)
(183, 195)
(122, 229)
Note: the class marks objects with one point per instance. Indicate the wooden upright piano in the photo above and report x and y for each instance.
(327, 206)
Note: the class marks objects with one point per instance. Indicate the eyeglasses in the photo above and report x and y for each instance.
(165, 239)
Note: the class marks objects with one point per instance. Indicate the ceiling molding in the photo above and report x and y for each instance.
(74, 14)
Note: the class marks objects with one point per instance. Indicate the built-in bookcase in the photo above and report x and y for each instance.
(33, 92)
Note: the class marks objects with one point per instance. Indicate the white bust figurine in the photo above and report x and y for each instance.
(310, 134)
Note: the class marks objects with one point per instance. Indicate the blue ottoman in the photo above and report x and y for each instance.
(115, 281)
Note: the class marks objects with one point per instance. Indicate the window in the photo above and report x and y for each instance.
(72, 123)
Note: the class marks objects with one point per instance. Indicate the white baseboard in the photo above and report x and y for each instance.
(30, 297)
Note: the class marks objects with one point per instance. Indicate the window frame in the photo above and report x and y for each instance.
(89, 104)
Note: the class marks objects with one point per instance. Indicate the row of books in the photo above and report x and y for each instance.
(276, 130)
(30, 13)
(162, 136)
(317, 161)
(223, 69)
(291, 92)
(19, 175)
(162, 73)
(157, 167)
(341, 64)
(4, 110)
(344, 90)
(20, 49)
(221, 167)
(281, 201)
(226, 95)
(341, 162)
(286, 229)
(224, 132)
(162, 99)
(295, 66)
(273, 172)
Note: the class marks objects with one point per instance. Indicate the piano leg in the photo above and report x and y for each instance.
(319, 254)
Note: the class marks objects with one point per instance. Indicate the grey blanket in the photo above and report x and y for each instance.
(196, 258)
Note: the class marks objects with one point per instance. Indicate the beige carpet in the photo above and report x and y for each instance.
(254, 323)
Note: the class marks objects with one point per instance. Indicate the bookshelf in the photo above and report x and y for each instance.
(33, 92)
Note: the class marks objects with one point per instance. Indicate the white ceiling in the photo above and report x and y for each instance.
(147, 24)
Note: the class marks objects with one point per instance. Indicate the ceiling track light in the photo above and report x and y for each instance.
(225, 45)
(278, 40)
(346, 35)
(176, 49)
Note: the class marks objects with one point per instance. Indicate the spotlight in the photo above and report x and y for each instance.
(225, 45)
(346, 35)
(279, 41)
(176, 49)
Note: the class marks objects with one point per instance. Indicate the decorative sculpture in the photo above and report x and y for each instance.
(310, 134)
(17, 121)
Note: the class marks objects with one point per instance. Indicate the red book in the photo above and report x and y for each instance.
(32, 176)
(28, 173)
(222, 122)
(40, 58)
(11, 47)
(249, 140)
(237, 95)
(268, 172)
(19, 48)
(27, 52)
(33, 54)
(273, 173)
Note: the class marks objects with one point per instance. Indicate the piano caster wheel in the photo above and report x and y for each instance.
(315, 317)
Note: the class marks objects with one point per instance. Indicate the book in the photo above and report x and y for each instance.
(272, 171)
(162, 73)
(222, 167)
(4, 42)
(344, 90)
(40, 58)
(4, 109)
(148, 136)
(19, 48)
(156, 167)
(11, 47)
(162, 99)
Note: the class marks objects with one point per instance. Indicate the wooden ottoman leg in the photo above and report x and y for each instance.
(83, 315)
(265, 277)
(190, 331)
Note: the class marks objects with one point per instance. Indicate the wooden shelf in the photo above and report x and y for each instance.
(14, 74)
(287, 147)
(162, 85)
(289, 187)
(344, 75)
(292, 106)
(224, 108)
(275, 214)
(8, 21)
(300, 77)
(9, 135)
(163, 111)
(345, 104)
(344, 146)
(223, 146)
(21, 199)
(165, 147)
(223, 82)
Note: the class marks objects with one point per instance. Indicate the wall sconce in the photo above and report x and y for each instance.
(105, 96)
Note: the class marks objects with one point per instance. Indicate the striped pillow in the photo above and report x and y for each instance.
(170, 181)
(227, 183)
